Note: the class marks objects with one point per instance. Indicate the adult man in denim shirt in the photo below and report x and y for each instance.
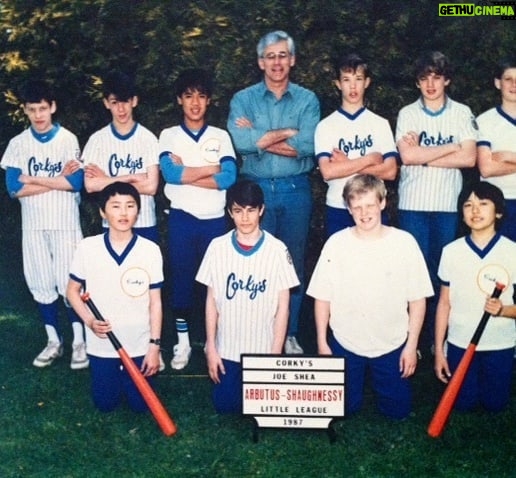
(272, 124)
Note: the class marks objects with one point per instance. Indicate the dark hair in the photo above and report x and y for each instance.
(505, 64)
(483, 190)
(350, 62)
(194, 79)
(118, 187)
(244, 193)
(35, 91)
(119, 84)
(433, 62)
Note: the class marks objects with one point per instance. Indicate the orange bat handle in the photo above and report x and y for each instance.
(443, 410)
(157, 409)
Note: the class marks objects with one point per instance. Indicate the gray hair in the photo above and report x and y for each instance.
(272, 38)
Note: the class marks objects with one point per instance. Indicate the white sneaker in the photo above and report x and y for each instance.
(52, 351)
(161, 363)
(181, 357)
(292, 347)
(79, 358)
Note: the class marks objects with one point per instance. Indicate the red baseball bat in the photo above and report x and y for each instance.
(443, 410)
(161, 415)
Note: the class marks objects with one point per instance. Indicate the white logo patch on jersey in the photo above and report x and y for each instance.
(490, 275)
(211, 150)
(135, 282)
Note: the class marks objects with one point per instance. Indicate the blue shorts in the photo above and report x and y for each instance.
(110, 383)
(488, 381)
(393, 393)
(227, 395)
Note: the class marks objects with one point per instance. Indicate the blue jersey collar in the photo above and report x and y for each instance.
(123, 136)
(349, 115)
(246, 252)
(46, 137)
(429, 111)
(119, 259)
(485, 251)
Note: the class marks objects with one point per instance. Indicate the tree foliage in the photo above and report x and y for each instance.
(74, 42)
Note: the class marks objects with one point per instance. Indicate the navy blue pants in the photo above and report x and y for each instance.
(393, 393)
(488, 381)
(110, 383)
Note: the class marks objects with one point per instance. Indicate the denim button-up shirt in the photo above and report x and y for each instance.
(298, 108)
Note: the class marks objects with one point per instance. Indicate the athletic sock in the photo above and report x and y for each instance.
(77, 326)
(48, 314)
(52, 334)
(183, 338)
(78, 333)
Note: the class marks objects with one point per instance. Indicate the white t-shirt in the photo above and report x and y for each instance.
(119, 286)
(369, 284)
(471, 273)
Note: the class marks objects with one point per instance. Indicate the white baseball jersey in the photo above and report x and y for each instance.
(119, 286)
(45, 156)
(426, 188)
(207, 147)
(368, 285)
(497, 130)
(471, 273)
(246, 286)
(356, 135)
(50, 221)
(119, 155)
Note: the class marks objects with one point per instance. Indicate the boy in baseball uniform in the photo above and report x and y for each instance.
(124, 150)
(496, 146)
(249, 274)
(469, 269)
(436, 138)
(123, 273)
(44, 174)
(198, 164)
(352, 140)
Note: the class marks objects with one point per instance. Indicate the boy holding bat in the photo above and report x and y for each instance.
(469, 268)
(123, 274)
(248, 273)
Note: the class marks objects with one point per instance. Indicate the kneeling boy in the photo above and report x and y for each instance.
(123, 273)
(248, 273)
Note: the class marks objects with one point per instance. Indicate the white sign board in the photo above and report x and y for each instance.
(293, 392)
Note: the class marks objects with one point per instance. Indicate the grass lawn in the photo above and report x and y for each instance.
(49, 427)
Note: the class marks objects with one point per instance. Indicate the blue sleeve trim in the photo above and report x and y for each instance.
(171, 172)
(79, 280)
(319, 156)
(12, 182)
(157, 285)
(484, 143)
(391, 154)
(76, 179)
(228, 173)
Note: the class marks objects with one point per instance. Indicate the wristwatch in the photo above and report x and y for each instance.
(155, 341)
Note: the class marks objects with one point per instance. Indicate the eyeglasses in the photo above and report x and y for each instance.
(273, 56)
